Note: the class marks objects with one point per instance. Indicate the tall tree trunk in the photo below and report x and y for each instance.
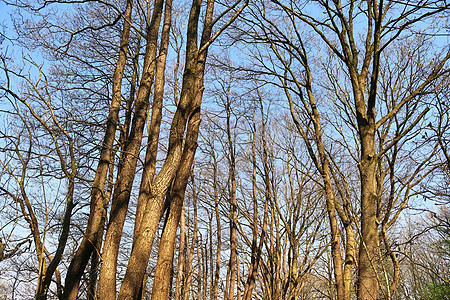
(215, 287)
(233, 205)
(188, 270)
(238, 279)
(167, 243)
(135, 273)
(93, 272)
(369, 244)
(205, 269)
(257, 249)
(151, 209)
(181, 257)
(200, 272)
(366, 119)
(98, 199)
(253, 269)
(156, 117)
(211, 256)
(350, 251)
(107, 281)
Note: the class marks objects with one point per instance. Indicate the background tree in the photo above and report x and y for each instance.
(285, 56)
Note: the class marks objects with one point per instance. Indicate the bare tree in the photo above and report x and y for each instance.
(362, 61)
(34, 112)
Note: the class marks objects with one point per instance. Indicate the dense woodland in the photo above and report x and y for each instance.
(225, 149)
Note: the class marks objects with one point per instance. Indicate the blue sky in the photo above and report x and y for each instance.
(5, 18)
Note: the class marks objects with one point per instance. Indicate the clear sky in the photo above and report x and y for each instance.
(5, 18)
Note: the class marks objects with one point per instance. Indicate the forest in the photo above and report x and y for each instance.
(225, 149)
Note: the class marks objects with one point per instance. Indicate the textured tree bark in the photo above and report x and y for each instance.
(134, 276)
(350, 251)
(368, 249)
(155, 121)
(107, 281)
(181, 257)
(369, 244)
(366, 118)
(98, 199)
(277, 255)
(93, 271)
(152, 207)
(167, 243)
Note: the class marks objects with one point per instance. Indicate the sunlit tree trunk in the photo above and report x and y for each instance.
(133, 282)
(127, 168)
(98, 199)
(188, 270)
(181, 257)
